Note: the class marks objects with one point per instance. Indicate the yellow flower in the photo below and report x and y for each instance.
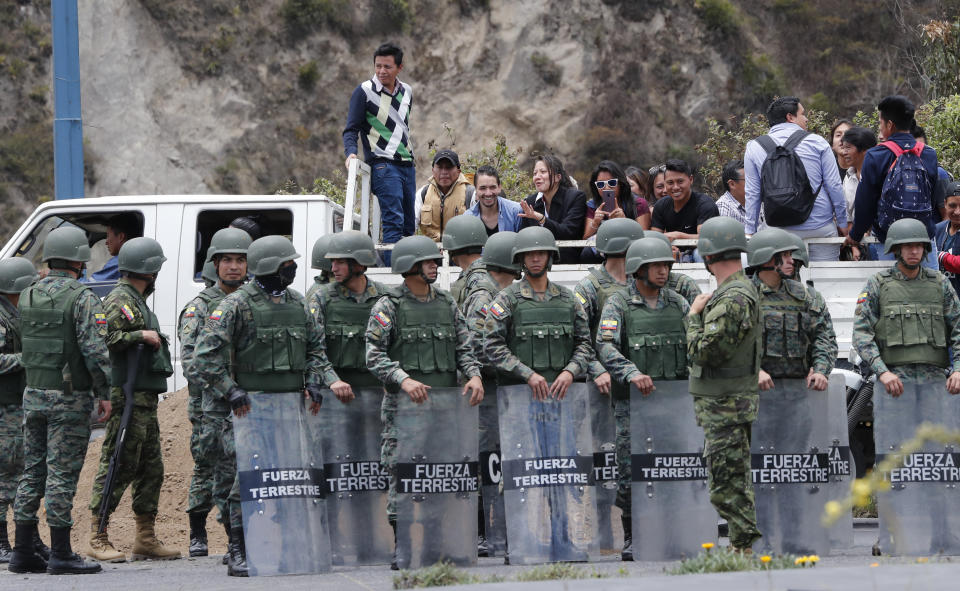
(707, 545)
(813, 558)
(833, 509)
(800, 560)
(922, 559)
(860, 487)
(765, 558)
(874, 564)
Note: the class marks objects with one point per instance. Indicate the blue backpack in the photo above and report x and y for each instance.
(907, 191)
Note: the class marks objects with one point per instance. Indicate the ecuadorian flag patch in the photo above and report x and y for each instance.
(583, 300)
(216, 315)
(382, 319)
(100, 318)
(497, 310)
(608, 324)
(127, 312)
(191, 312)
(862, 298)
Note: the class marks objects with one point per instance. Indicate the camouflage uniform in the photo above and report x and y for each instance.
(228, 329)
(593, 292)
(867, 316)
(11, 405)
(797, 330)
(141, 460)
(499, 325)
(720, 331)
(317, 303)
(319, 282)
(683, 285)
(56, 423)
(466, 283)
(382, 332)
(609, 344)
(205, 446)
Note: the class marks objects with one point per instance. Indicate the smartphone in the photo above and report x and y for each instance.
(609, 200)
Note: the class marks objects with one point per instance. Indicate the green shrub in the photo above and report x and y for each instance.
(305, 16)
(546, 68)
(441, 574)
(941, 44)
(307, 75)
(719, 15)
(941, 120)
(726, 141)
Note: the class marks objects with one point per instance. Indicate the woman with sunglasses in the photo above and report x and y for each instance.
(611, 198)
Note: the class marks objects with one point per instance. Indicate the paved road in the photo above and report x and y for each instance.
(849, 570)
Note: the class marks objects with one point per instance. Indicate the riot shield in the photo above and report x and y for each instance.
(790, 466)
(437, 482)
(609, 531)
(841, 460)
(491, 474)
(282, 488)
(920, 514)
(356, 483)
(672, 514)
(549, 493)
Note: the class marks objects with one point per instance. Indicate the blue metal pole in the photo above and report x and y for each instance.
(67, 124)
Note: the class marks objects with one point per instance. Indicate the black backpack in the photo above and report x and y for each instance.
(784, 187)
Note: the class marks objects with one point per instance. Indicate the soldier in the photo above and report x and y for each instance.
(535, 251)
(211, 467)
(678, 282)
(415, 367)
(64, 332)
(647, 307)
(231, 332)
(593, 291)
(16, 274)
(344, 306)
(130, 322)
(798, 337)
(319, 260)
(723, 349)
(464, 241)
(899, 345)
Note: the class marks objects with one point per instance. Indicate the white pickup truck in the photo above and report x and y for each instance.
(184, 224)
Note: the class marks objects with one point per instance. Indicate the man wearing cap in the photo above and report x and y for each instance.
(442, 346)
(447, 194)
(16, 274)
(340, 312)
(948, 247)
(130, 322)
(64, 331)
(228, 254)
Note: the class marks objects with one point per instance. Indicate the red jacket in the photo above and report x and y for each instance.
(949, 262)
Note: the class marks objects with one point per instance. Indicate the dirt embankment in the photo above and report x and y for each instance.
(172, 524)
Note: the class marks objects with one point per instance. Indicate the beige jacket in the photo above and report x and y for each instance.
(437, 210)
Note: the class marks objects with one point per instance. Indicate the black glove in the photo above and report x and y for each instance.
(313, 391)
(238, 398)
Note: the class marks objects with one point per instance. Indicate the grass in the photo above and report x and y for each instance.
(444, 574)
(724, 560)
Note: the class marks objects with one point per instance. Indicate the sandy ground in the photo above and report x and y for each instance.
(172, 524)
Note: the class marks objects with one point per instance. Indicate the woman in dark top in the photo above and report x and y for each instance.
(557, 205)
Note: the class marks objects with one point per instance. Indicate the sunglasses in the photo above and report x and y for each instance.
(655, 170)
(604, 184)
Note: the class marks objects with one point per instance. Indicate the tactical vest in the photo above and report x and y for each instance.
(275, 361)
(542, 336)
(741, 371)
(426, 343)
(911, 326)
(155, 365)
(655, 340)
(604, 288)
(12, 383)
(785, 340)
(345, 331)
(50, 352)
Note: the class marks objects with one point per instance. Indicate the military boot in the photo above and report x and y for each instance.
(39, 546)
(5, 549)
(100, 546)
(25, 558)
(627, 554)
(63, 561)
(237, 565)
(198, 533)
(146, 546)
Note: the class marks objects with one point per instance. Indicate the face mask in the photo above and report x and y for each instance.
(272, 284)
(287, 274)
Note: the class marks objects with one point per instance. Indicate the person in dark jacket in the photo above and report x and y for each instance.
(557, 205)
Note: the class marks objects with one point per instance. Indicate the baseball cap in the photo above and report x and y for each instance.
(953, 188)
(447, 155)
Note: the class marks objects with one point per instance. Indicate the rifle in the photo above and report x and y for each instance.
(133, 366)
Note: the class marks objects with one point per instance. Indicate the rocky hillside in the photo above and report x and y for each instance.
(237, 96)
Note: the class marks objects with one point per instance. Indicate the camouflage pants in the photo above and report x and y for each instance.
(207, 453)
(621, 414)
(54, 446)
(140, 465)
(228, 478)
(726, 423)
(388, 448)
(218, 432)
(11, 454)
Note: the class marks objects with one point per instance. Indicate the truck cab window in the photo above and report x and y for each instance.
(256, 222)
